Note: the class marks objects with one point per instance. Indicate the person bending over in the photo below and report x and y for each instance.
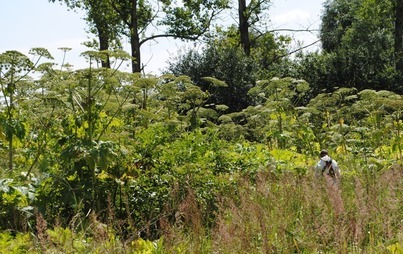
(327, 167)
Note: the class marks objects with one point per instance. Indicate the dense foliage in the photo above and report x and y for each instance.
(214, 156)
(222, 57)
(361, 43)
(102, 154)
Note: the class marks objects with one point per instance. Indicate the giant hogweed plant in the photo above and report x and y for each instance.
(93, 102)
(14, 81)
(358, 122)
(89, 158)
(273, 117)
(84, 106)
(17, 197)
(280, 96)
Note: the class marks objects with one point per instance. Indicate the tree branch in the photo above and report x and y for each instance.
(123, 17)
(307, 30)
(293, 30)
(296, 50)
(153, 37)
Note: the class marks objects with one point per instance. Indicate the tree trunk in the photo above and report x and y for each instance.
(102, 26)
(104, 45)
(398, 34)
(244, 26)
(135, 39)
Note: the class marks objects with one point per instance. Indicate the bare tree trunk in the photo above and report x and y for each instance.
(104, 45)
(244, 26)
(102, 26)
(135, 39)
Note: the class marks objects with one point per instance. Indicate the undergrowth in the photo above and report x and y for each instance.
(266, 213)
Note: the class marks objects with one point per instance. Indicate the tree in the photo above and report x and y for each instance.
(227, 64)
(398, 35)
(137, 18)
(223, 58)
(360, 43)
(247, 17)
(252, 27)
(337, 18)
(102, 21)
(188, 22)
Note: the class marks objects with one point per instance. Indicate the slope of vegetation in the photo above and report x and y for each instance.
(97, 160)
(217, 154)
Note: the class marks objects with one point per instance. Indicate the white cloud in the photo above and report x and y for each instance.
(292, 17)
(298, 19)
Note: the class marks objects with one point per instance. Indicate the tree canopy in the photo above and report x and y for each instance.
(142, 21)
(361, 39)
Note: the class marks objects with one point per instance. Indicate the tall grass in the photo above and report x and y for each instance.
(291, 214)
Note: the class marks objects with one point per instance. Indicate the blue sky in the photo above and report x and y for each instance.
(25, 24)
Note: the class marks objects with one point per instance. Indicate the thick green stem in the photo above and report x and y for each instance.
(89, 107)
(92, 163)
(10, 119)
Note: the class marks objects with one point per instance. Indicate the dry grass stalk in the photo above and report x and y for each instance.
(41, 227)
(98, 229)
(189, 213)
